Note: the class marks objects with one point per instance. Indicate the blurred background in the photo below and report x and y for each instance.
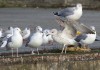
(88, 4)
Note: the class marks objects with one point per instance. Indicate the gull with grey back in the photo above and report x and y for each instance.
(71, 13)
(13, 42)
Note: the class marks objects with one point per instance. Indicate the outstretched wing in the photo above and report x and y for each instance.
(69, 29)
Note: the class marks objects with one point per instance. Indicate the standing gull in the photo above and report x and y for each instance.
(47, 38)
(9, 32)
(72, 13)
(35, 41)
(15, 41)
(87, 38)
(26, 33)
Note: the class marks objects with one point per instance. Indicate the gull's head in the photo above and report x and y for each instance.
(26, 29)
(17, 29)
(9, 28)
(79, 5)
(53, 31)
(93, 28)
(38, 28)
(46, 31)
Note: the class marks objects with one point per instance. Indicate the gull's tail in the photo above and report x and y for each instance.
(97, 38)
(55, 13)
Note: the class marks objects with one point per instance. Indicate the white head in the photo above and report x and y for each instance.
(10, 27)
(79, 5)
(46, 31)
(17, 29)
(93, 28)
(27, 28)
(38, 28)
(53, 31)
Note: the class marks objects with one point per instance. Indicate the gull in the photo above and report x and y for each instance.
(35, 41)
(86, 33)
(26, 33)
(66, 36)
(47, 38)
(72, 13)
(8, 33)
(13, 42)
(87, 38)
(62, 38)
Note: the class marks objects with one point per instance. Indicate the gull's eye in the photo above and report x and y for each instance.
(38, 29)
(52, 32)
(47, 35)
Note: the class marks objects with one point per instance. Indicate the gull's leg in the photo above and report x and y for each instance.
(17, 52)
(12, 51)
(84, 46)
(44, 47)
(37, 51)
(87, 46)
(32, 51)
(63, 48)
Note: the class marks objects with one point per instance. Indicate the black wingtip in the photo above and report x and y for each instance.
(55, 13)
(97, 39)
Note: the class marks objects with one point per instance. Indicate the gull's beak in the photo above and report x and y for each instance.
(41, 31)
(20, 32)
(78, 33)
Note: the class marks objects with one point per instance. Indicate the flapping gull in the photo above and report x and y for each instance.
(72, 13)
(26, 33)
(66, 36)
(13, 42)
(71, 29)
(35, 41)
